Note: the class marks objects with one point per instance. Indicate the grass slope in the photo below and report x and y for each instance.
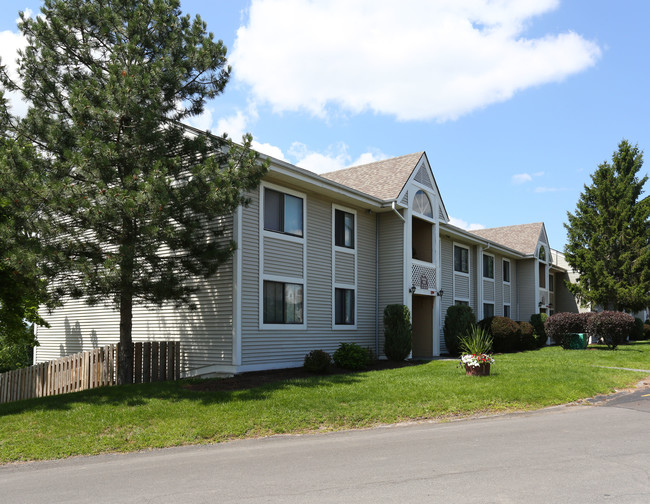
(139, 417)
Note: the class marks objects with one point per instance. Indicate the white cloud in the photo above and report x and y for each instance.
(521, 178)
(413, 59)
(464, 225)
(335, 158)
(10, 42)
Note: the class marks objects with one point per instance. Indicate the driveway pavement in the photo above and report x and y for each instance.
(590, 453)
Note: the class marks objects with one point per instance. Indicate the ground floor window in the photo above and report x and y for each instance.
(488, 310)
(344, 306)
(283, 303)
(506, 311)
(464, 303)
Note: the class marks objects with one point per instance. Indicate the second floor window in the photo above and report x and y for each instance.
(343, 229)
(488, 266)
(461, 259)
(506, 271)
(282, 213)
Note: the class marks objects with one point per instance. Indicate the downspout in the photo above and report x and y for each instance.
(392, 205)
(376, 284)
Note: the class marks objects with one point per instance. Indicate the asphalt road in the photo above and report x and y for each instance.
(570, 454)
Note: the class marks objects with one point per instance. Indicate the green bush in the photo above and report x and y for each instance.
(504, 331)
(398, 333)
(458, 321)
(317, 361)
(352, 356)
(637, 331)
(537, 321)
(646, 331)
(527, 339)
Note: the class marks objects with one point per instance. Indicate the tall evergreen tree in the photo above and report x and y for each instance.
(21, 288)
(128, 199)
(608, 237)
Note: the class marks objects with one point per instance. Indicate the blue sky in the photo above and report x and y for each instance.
(515, 102)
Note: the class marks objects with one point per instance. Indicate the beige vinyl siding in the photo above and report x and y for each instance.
(526, 271)
(284, 345)
(205, 333)
(282, 257)
(488, 291)
(344, 265)
(391, 263)
(461, 286)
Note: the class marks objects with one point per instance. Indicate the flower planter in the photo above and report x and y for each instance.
(480, 370)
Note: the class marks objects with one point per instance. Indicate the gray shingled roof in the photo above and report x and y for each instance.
(382, 179)
(522, 238)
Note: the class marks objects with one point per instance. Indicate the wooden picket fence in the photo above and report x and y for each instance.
(152, 361)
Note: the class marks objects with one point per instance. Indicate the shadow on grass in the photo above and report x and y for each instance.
(626, 347)
(182, 390)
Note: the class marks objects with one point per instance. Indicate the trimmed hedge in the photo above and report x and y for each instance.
(612, 327)
(317, 361)
(458, 322)
(527, 339)
(398, 333)
(537, 320)
(560, 324)
(637, 331)
(353, 357)
(504, 332)
(646, 331)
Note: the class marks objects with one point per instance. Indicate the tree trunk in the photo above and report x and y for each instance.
(125, 355)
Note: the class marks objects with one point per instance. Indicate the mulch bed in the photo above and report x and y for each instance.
(253, 379)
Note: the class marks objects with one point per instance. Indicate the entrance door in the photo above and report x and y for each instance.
(422, 326)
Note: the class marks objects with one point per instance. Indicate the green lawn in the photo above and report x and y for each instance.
(156, 415)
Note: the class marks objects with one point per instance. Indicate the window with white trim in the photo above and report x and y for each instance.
(461, 259)
(506, 271)
(344, 306)
(283, 213)
(488, 310)
(343, 229)
(283, 303)
(506, 311)
(488, 266)
(422, 204)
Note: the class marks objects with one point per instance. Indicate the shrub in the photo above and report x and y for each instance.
(527, 338)
(398, 333)
(637, 330)
(646, 331)
(611, 326)
(504, 331)
(352, 356)
(557, 326)
(537, 320)
(458, 321)
(476, 341)
(318, 361)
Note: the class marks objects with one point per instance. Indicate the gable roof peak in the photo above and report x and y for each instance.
(383, 179)
(520, 237)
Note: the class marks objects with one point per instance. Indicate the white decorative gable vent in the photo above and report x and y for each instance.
(422, 176)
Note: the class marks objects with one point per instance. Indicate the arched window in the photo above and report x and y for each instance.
(542, 253)
(422, 204)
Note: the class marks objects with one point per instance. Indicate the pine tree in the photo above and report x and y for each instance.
(608, 236)
(21, 288)
(128, 199)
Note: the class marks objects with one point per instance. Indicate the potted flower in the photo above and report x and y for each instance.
(475, 347)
